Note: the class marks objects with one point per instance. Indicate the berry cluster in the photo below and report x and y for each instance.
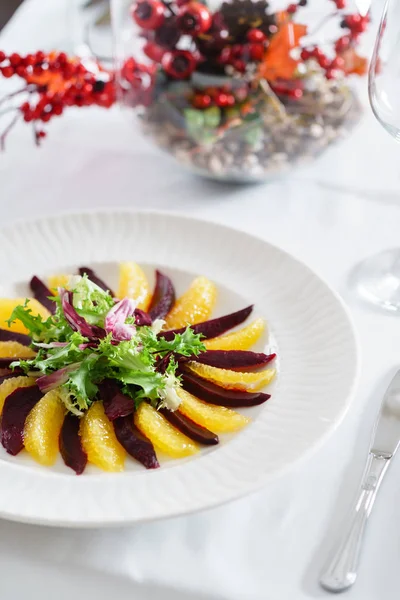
(53, 82)
(222, 97)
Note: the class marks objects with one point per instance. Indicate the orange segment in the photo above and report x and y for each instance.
(99, 440)
(133, 284)
(243, 339)
(215, 418)
(10, 385)
(7, 305)
(162, 434)
(58, 280)
(250, 382)
(194, 306)
(15, 350)
(42, 428)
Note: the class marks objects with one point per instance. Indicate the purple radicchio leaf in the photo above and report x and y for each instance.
(114, 322)
(76, 322)
(46, 383)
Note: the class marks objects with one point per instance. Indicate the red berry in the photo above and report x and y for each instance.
(153, 51)
(305, 54)
(2, 56)
(337, 63)
(40, 56)
(256, 51)
(239, 65)
(194, 18)
(7, 71)
(57, 109)
(41, 134)
(342, 44)
(62, 58)
(21, 71)
(149, 14)
(45, 117)
(291, 9)
(256, 36)
(179, 64)
(30, 59)
(324, 61)
(296, 93)
(15, 59)
(340, 4)
(331, 74)
(28, 116)
(224, 100)
(37, 70)
(226, 55)
(201, 101)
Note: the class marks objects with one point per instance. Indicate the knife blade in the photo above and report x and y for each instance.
(340, 572)
(386, 437)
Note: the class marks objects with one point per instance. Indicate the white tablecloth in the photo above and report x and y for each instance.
(334, 213)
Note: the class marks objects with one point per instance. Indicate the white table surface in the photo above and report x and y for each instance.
(331, 215)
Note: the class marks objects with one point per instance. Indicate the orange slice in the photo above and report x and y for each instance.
(10, 385)
(42, 428)
(215, 418)
(7, 305)
(133, 284)
(243, 339)
(58, 280)
(162, 434)
(235, 380)
(99, 440)
(194, 306)
(15, 350)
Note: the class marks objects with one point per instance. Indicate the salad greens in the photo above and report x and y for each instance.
(92, 337)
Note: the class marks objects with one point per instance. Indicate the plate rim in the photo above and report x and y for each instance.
(249, 487)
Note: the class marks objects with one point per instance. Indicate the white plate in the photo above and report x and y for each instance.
(308, 323)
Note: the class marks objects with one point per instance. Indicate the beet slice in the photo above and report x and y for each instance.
(93, 277)
(190, 428)
(6, 362)
(141, 450)
(234, 359)
(116, 404)
(12, 336)
(70, 443)
(17, 407)
(163, 297)
(215, 327)
(41, 292)
(214, 394)
(142, 318)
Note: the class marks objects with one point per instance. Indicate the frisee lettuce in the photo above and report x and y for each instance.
(131, 363)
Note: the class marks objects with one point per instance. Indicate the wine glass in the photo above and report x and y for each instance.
(378, 278)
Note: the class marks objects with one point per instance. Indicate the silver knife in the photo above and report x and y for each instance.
(340, 572)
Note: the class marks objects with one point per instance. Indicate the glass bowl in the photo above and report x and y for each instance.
(229, 91)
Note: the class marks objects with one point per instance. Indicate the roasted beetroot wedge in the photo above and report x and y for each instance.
(41, 292)
(17, 407)
(163, 297)
(214, 394)
(93, 277)
(116, 404)
(142, 317)
(195, 432)
(142, 450)
(12, 336)
(234, 359)
(71, 448)
(215, 327)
